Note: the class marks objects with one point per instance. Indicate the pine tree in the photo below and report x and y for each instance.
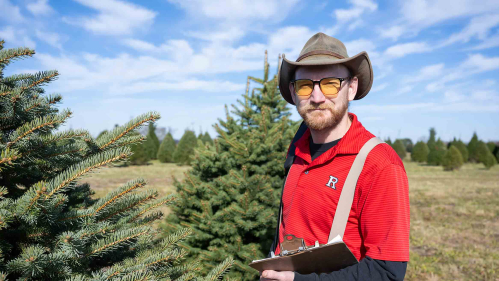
(459, 144)
(489, 161)
(472, 149)
(491, 145)
(166, 149)
(452, 159)
(139, 155)
(151, 145)
(399, 147)
(432, 140)
(206, 138)
(231, 194)
(389, 141)
(408, 145)
(185, 148)
(420, 152)
(484, 155)
(50, 227)
(436, 155)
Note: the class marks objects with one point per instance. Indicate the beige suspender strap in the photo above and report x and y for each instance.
(348, 191)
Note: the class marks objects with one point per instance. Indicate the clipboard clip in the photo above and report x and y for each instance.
(292, 245)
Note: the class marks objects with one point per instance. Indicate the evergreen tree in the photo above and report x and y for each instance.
(420, 152)
(491, 145)
(139, 155)
(496, 152)
(185, 148)
(101, 134)
(231, 194)
(407, 144)
(50, 227)
(399, 147)
(206, 138)
(459, 144)
(389, 141)
(151, 145)
(432, 140)
(489, 161)
(472, 149)
(452, 159)
(436, 155)
(166, 149)
(484, 155)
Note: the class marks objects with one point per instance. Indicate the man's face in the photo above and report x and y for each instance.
(319, 112)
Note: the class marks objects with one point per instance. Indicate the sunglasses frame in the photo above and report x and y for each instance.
(319, 81)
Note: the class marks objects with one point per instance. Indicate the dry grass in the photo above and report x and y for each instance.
(454, 215)
(454, 223)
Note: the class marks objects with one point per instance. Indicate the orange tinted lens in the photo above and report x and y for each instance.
(304, 87)
(330, 86)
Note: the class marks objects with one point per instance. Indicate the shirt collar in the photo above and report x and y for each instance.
(350, 143)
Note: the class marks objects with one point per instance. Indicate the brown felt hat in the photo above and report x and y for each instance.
(322, 49)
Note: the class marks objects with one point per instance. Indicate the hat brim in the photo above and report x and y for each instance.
(359, 65)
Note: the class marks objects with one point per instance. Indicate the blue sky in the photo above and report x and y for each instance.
(436, 63)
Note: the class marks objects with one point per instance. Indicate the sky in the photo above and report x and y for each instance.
(436, 63)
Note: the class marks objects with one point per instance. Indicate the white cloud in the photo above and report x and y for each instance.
(478, 63)
(454, 96)
(40, 7)
(401, 50)
(487, 43)
(478, 27)
(289, 40)
(17, 37)
(51, 38)
(379, 87)
(358, 8)
(114, 17)
(424, 13)
(356, 46)
(428, 72)
(10, 12)
(393, 32)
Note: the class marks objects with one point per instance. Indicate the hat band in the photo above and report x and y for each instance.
(319, 52)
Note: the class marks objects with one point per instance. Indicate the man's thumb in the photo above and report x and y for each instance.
(270, 274)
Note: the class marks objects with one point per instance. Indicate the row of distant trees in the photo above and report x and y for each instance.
(167, 150)
(450, 156)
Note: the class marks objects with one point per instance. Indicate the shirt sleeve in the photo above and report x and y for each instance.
(367, 269)
(385, 216)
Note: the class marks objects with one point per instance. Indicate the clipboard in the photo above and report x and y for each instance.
(335, 255)
(322, 259)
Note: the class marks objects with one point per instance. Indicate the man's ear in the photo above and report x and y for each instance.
(352, 88)
(292, 91)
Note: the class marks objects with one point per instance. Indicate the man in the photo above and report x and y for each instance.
(321, 83)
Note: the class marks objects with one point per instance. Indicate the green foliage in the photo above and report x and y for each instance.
(420, 152)
(459, 144)
(399, 147)
(185, 148)
(496, 153)
(139, 156)
(436, 155)
(101, 134)
(151, 145)
(473, 149)
(432, 139)
(408, 144)
(206, 138)
(452, 159)
(166, 149)
(491, 145)
(50, 226)
(389, 141)
(230, 197)
(485, 156)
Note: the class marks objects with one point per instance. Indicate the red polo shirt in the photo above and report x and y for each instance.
(378, 224)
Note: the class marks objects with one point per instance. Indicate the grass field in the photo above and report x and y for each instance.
(454, 215)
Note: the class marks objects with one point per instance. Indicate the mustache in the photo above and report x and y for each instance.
(317, 106)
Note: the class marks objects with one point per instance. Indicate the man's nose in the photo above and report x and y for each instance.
(317, 96)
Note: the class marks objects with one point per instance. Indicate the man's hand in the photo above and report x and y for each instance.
(271, 275)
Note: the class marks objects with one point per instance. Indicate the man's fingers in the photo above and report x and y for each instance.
(271, 274)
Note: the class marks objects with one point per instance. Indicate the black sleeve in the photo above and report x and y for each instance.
(367, 269)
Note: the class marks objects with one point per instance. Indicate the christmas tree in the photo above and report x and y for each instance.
(452, 159)
(420, 152)
(206, 138)
(484, 155)
(151, 145)
(399, 147)
(473, 149)
(231, 195)
(50, 226)
(436, 155)
(166, 149)
(185, 148)
(459, 144)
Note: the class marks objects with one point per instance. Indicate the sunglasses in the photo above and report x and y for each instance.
(330, 86)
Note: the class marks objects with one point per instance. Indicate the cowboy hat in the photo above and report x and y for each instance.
(322, 49)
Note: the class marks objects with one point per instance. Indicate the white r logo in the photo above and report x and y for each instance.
(333, 181)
